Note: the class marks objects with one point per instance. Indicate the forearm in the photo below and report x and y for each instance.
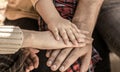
(86, 14)
(13, 38)
(47, 10)
(43, 40)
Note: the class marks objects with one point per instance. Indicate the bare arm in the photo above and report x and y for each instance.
(59, 26)
(13, 38)
(86, 14)
(41, 40)
(47, 10)
(44, 40)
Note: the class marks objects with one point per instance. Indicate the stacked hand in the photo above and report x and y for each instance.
(63, 59)
(67, 31)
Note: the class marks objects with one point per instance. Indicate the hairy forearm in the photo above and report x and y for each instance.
(47, 10)
(86, 14)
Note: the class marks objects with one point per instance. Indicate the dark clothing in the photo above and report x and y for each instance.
(14, 62)
(107, 33)
(109, 24)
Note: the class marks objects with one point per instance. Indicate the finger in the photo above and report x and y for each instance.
(71, 36)
(74, 55)
(81, 45)
(79, 38)
(30, 65)
(75, 27)
(56, 33)
(60, 58)
(48, 53)
(82, 35)
(64, 36)
(85, 62)
(34, 50)
(23, 55)
(35, 60)
(52, 57)
(27, 70)
(89, 40)
(84, 32)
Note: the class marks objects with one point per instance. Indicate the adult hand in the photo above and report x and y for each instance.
(63, 59)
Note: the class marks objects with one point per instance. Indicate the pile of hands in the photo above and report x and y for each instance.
(62, 59)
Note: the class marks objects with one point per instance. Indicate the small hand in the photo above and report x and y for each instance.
(67, 30)
(32, 61)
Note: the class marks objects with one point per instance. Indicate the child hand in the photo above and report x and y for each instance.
(32, 61)
(67, 30)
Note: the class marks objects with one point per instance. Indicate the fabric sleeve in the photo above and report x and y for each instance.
(11, 39)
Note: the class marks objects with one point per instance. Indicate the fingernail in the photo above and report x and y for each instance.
(49, 63)
(53, 67)
(62, 68)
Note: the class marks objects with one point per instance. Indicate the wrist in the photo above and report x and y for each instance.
(28, 38)
(84, 26)
(54, 20)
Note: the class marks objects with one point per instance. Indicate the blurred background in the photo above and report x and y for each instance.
(115, 60)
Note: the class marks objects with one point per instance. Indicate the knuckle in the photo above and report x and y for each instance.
(69, 26)
(66, 62)
(78, 37)
(55, 31)
(52, 56)
(74, 30)
(63, 33)
(64, 52)
(70, 33)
